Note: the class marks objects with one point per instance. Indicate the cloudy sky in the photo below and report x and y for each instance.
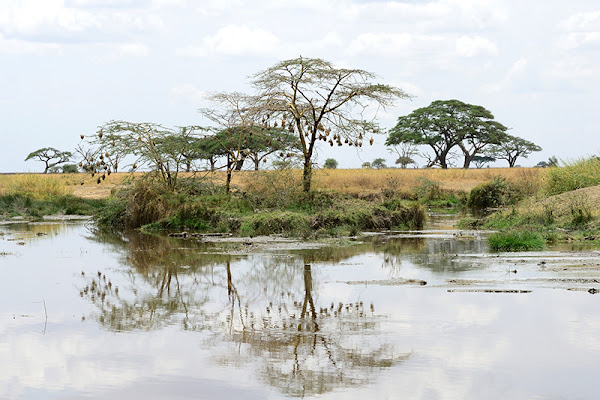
(68, 66)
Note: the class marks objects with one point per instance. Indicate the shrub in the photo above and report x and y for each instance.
(498, 192)
(428, 190)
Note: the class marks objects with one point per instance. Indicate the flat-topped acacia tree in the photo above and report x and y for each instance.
(446, 124)
(315, 100)
(50, 156)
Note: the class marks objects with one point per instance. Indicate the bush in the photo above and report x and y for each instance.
(515, 240)
(498, 192)
(428, 190)
(69, 169)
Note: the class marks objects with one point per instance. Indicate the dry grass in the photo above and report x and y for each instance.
(351, 181)
(34, 185)
(366, 181)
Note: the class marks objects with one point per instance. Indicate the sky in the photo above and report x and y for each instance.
(68, 66)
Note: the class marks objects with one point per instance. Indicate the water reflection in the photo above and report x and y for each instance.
(262, 310)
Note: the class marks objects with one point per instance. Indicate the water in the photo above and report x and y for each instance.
(96, 316)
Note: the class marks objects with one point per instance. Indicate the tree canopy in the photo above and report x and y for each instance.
(161, 149)
(50, 156)
(317, 101)
(379, 163)
(446, 124)
(331, 163)
(513, 148)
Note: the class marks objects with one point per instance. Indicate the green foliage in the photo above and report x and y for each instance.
(379, 163)
(580, 210)
(70, 169)
(164, 150)
(404, 161)
(516, 240)
(366, 165)
(428, 190)
(496, 193)
(512, 148)
(20, 204)
(280, 222)
(480, 161)
(330, 163)
(577, 174)
(444, 125)
(50, 156)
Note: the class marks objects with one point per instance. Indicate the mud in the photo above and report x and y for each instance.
(389, 282)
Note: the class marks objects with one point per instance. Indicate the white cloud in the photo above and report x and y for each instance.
(470, 46)
(55, 21)
(134, 49)
(582, 22)
(189, 93)
(234, 40)
(384, 44)
(577, 40)
(17, 47)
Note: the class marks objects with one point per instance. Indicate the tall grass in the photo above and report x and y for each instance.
(36, 186)
(581, 173)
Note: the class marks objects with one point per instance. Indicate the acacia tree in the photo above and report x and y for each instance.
(264, 142)
(512, 148)
(330, 163)
(317, 101)
(445, 124)
(480, 161)
(235, 117)
(161, 149)
(379, 163)
(405, 152)
(50, 156)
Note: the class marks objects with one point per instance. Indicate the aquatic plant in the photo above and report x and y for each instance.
(515, 240)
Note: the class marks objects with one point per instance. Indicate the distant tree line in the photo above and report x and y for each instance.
(296, 104)
(448, 125)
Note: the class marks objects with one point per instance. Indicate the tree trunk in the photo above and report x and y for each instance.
(229, 171)
(240, 163)
(442, 161)
(256, 164)
(468, 158)
(307, 175)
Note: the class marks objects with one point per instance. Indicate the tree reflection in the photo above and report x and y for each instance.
(304, 350)
(262, 310)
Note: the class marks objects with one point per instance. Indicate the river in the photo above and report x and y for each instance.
(416, 315)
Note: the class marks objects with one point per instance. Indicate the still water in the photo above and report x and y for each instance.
(86, 315)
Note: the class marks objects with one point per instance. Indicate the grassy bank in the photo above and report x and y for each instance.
(268, 207)
(36, 196)
(565, 207)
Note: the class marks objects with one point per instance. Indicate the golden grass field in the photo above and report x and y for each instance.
(351, 181)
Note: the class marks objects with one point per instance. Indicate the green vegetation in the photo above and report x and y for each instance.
(50, 156)
(566, 206)
(515, 240)
(330, 163)
(19, 204)
(496, 193)
(444, 125)
(259, 210)
(581, 173)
